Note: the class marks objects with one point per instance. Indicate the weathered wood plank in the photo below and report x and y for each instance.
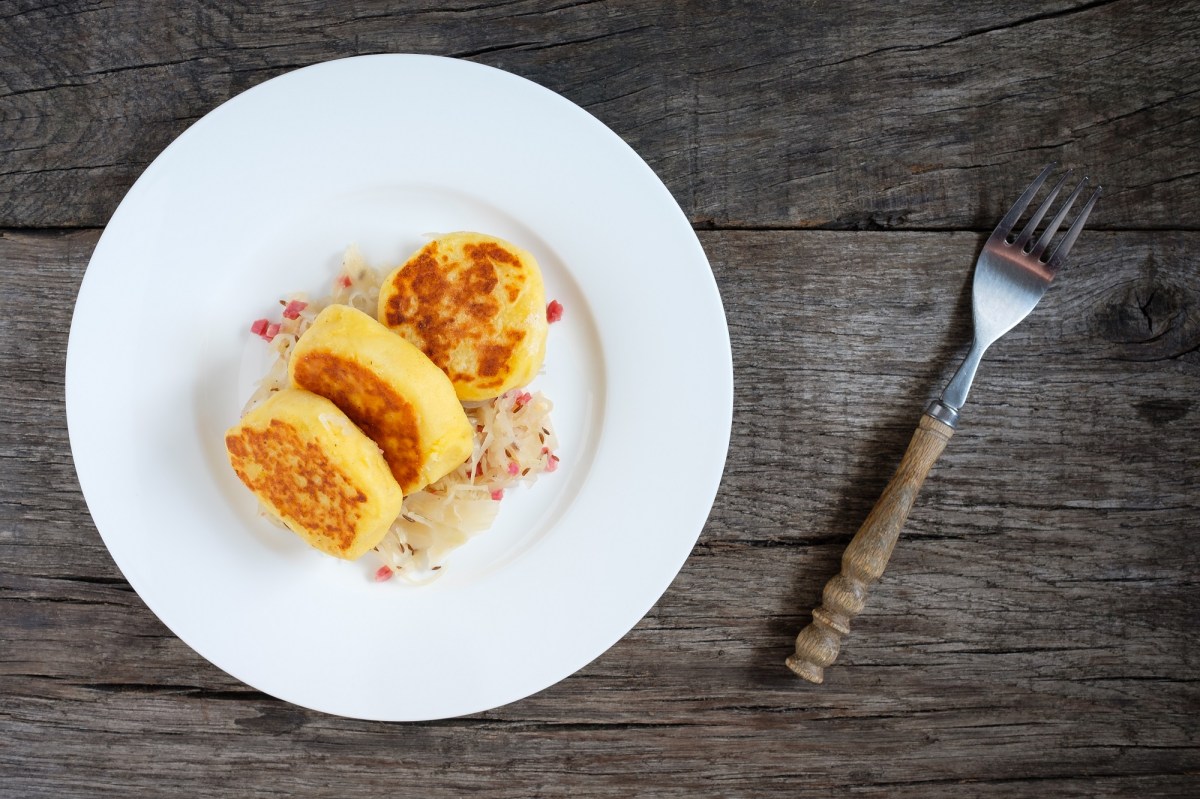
(1035, 630)
(767, 114)
(318, 757)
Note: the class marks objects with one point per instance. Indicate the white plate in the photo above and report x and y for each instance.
(259, 198)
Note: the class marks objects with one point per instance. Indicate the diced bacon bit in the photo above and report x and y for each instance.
(271, 332)
(344, 281)
(293, 309)
(498, 494)
(259, 327)
(383, 573)
(554, 311)
(552, 463)
(513, 468)
(522, 399)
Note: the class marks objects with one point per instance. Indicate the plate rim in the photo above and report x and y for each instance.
(723, 404)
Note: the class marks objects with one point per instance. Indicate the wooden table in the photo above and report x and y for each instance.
(1036, 632)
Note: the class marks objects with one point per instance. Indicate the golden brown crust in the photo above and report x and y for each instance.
(475, 306)
(371, 403)
(287, 471)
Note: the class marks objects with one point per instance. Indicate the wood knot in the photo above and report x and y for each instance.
(274, 720)
(1163, 410)
(1153, 318)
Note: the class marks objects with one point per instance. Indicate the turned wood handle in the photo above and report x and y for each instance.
(867, 555)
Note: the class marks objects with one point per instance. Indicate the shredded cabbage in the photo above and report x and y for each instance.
(357, 285)
(514, 443)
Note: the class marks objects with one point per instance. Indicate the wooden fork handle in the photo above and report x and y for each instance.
(867, 555)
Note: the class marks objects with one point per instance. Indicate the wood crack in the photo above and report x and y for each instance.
(1029, 20)
(1162, 182)
(26, 12)
(556, 9)
(54, 600)
(45, 170)
(158, 689)
(1033, 780)
(98, 73)
(616, 34)
(917, 48)
(498, 48)
(475, 8)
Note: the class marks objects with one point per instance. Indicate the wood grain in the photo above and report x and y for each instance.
(769, 113)
(1035, 631)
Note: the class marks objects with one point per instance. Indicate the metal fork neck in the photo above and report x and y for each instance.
(943, 413)
(946, 408)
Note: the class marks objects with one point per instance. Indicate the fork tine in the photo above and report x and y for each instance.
(1064, 246)
(1052, 228)
(1032, 224)
(1010, 219)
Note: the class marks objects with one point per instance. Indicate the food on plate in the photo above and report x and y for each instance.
(387, 387)
(514, 443)
(476, 305)
(356, 285)
(316, 472)
(326, 345)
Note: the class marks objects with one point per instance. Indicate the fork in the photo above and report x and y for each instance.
(1011, 276)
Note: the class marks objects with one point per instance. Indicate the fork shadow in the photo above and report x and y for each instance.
(862, 487)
